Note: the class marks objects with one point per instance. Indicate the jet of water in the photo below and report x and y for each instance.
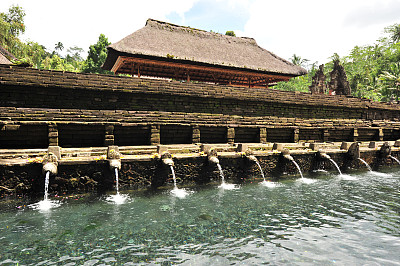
(178, 192)
(223, 184)
(116, 180)
(46, 186)
(259, 167)
(366, 164)
(298, 168)
(173, 176)
(394, 158)
(335, 164)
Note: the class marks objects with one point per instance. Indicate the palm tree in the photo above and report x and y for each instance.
(394, 32)
(391, 81)
(298, 61)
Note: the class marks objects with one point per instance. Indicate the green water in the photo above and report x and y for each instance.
(330, 221)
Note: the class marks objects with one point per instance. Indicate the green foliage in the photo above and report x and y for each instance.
(96, 57)
(373, 71)
(32, 53)
(230, 33)
(11, 26)
(300, 83)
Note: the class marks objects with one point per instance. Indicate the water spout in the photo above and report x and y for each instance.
(324, 156)
(46, 186)
(287, 156)
(117, 198)
(49, 168)
(254, 159)
(116, 180)
(366, 164)
(394, 158)
(335, 164)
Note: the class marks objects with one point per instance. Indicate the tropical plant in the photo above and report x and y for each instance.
(96, 57)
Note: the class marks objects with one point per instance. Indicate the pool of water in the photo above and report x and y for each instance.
(350, 220)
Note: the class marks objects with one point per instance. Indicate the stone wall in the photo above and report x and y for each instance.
(40, 108)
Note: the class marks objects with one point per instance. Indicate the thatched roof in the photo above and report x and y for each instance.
(165, 40)
(5, 56)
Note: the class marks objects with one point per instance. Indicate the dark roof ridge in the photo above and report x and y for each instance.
(154, 23)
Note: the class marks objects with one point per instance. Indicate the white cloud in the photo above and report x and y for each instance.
(313, 29)
(78, 22)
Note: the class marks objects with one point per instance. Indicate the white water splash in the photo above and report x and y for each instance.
(227, 186)
(307, 180)
(380, 174)
(223, 184)
(269, 184)
(45, 204)
(347, 177)
(117, 198)
(180, 193)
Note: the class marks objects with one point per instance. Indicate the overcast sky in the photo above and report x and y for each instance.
(312, 29)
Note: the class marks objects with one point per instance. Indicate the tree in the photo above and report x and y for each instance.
(298, 61)
(96, 57)
(394, 33)
(230, 33)
(390, 82)
(11, 26)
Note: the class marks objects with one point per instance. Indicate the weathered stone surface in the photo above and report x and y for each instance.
(318, 84)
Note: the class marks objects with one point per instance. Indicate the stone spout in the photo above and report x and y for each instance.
(212, 156)
(166, 159)
(321, 155)
(114, 157)
(286, 154)
(50, 164)
(252, 158)
(354, 151)
(115, 163)
(385, 150)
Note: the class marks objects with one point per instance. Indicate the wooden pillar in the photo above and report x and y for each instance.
(263, 135)
(155, 137)
(325, 135)
(296, 134)
(138, 71)
(380, 134)
(188, 78)
(52, 134)
(230, 135)
(355, 134)
(195, 134)
(109, 135)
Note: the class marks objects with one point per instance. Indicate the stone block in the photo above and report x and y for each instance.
(56, 150)
(277, 146)
(314, 146)
(242, 147)
(162, 149)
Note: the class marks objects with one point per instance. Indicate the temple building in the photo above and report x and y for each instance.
(166, 50)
